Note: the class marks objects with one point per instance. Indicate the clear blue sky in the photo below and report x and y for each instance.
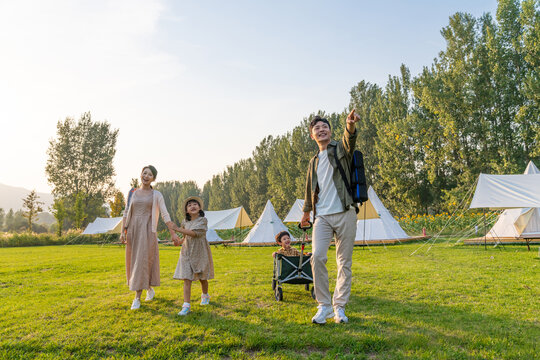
(195, 86)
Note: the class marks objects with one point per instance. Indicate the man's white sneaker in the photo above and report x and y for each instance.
(340, 316)
(150, 293)
(136, 304)
(324, 312)
(205, 299)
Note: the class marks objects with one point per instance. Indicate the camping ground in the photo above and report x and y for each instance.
(451, 302)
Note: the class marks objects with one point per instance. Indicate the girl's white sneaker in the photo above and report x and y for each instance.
(186, 309)
(150, 293)
(136, 304)
(205, 299)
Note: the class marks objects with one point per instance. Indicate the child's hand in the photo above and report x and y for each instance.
(274, 254)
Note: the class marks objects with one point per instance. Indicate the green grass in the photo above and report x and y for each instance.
(453, 302)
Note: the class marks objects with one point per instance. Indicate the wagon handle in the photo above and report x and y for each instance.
(306, 227)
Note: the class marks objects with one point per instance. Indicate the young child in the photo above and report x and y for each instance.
(195, 261)
(284, 239)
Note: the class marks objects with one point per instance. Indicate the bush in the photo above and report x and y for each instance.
(71, 237)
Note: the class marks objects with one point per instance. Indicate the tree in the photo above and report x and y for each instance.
(134, 183)
(79, 212)
(31, 207)
(81, 162)
(15, 221)
(59, 211)
(8, 222)
(187, 189)
(117, 204)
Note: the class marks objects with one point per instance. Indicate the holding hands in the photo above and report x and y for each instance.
(176, 240)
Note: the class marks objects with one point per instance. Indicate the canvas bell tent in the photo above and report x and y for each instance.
(380, 229)
(296, 212)
(266, 228)
(213, 237)
(375, 224)
(228, 219)
(519, 222)
(104, 226)
(367, 211)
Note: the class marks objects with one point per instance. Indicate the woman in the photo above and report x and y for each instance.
(140, 235)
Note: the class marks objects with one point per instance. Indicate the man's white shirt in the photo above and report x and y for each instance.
(328, 202)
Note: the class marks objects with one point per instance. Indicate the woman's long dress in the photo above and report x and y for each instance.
(142, 254)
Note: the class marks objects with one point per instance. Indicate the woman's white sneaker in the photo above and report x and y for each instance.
(136, 304)
(324, 312)
(150, 293)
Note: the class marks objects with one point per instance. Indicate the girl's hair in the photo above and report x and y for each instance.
(188, 216)
(280, 235)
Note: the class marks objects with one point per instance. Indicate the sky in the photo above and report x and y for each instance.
(194, 86)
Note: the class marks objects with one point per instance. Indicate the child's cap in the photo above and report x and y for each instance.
(280, 235)
(192, 198)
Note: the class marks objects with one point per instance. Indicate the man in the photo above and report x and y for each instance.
(334, 212)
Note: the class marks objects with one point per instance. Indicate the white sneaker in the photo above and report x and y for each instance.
(136, 304)
(186, 309)
(324, 312)
(150, 294)
(340, 316)
(205, 299)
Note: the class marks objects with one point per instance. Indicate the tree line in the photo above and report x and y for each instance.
(425, 138)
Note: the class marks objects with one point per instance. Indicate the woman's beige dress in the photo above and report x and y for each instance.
(195, 261)
(142, 254)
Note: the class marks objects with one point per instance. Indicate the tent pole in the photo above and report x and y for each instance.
(485, 231)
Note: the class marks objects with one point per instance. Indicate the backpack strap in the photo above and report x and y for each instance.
(342, 172)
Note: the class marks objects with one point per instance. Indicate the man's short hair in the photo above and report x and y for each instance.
(317, 119)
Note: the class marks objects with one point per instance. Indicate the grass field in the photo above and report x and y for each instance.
(453, 302)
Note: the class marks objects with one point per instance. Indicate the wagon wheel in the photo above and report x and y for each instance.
(274, 283)
(279, 294)
(307, 287)
(313, 293)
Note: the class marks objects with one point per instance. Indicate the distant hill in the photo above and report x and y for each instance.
(11, 198)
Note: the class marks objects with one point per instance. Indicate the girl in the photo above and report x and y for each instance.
(139, 227)
(195, 261)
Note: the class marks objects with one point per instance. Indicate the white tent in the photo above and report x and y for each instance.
(212, 236)
(104, 226)
(227, 219)
(383, 228)
(513, 223)
(296, 212)
(267, 227)
(507, 191)
(531, 169)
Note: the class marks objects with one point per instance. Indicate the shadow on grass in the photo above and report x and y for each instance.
(378, 327)
(459, 332)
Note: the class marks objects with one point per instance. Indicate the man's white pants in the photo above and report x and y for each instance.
(343, 224)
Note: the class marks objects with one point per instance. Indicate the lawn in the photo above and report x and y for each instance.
(451, 302)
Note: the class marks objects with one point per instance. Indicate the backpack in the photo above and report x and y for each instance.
(357, 186)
